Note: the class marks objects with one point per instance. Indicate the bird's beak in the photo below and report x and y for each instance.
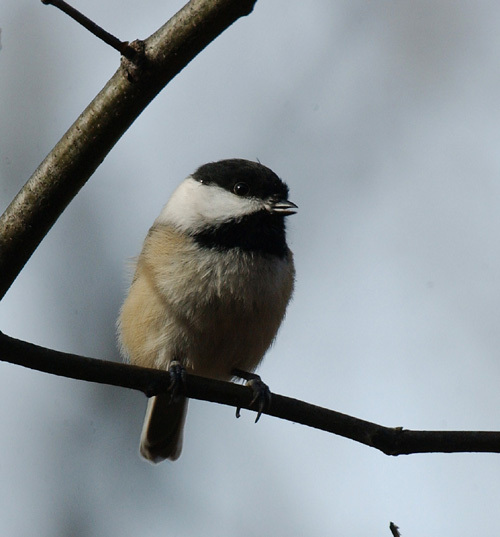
(284, 207)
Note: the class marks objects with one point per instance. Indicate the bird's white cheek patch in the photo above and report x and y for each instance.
(195, 206)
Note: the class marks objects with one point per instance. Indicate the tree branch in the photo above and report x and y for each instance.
(84, 146)
(389, 440)
(121, 46)
(394, 530)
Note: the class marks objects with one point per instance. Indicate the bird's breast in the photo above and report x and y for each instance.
(218, 310)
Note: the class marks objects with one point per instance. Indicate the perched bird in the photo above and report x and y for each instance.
(211, 286)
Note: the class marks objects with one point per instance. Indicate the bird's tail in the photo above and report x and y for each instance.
(163, 426)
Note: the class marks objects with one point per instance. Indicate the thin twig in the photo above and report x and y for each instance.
(389, 440)
(122, 47)
(394, 530)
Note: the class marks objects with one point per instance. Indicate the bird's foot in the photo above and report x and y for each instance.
(177, 374)
(261, 392)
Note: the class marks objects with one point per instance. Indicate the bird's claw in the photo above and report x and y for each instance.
(177, 374)
(261, 392)
(261, 396)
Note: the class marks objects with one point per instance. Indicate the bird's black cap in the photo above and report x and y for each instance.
(262, 182)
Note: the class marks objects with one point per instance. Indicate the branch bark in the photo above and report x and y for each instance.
(84, 146)
(389, 440)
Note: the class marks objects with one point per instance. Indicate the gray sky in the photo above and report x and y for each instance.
(383, 118)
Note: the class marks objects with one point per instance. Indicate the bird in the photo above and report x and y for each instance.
(211, 287)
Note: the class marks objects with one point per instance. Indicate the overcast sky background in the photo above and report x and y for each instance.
(384, 119)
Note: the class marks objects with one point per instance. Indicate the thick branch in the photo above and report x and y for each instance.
(391, 441)
(84, 146)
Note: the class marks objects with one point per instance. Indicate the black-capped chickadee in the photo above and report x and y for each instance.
(211, 286)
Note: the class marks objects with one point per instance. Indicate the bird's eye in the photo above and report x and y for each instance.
(241, 189)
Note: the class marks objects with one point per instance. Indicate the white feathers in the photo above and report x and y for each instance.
(195, 206)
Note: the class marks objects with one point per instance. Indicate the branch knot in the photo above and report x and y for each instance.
(133, 59)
